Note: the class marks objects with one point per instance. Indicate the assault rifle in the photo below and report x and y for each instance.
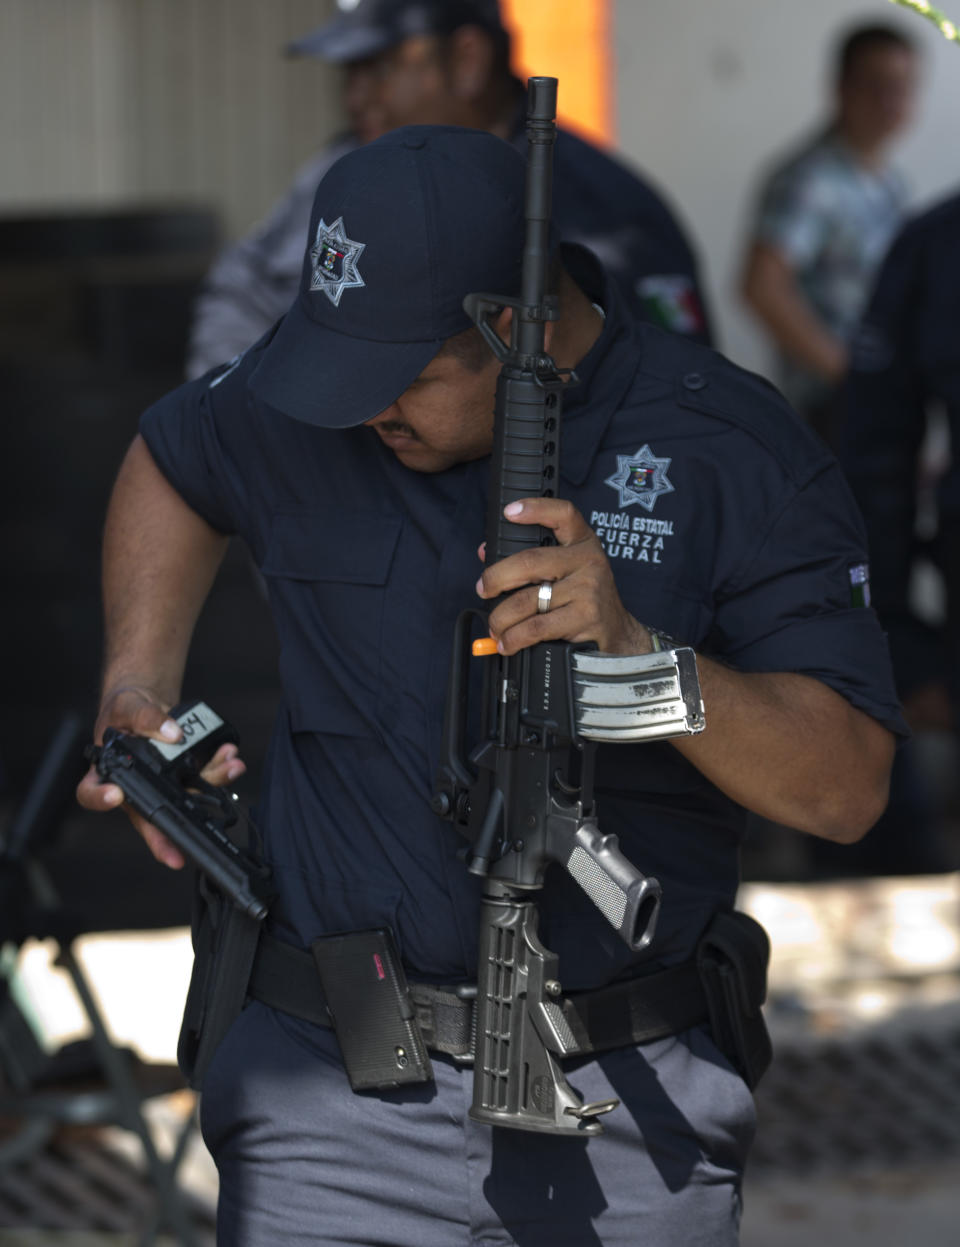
(523, 796)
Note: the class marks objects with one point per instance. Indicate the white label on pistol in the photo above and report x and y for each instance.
(196, 723)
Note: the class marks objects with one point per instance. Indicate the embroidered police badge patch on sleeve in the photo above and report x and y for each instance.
(334, 257)
(859, 575)
(640, 478)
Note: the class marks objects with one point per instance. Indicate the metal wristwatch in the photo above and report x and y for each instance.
(660, 640)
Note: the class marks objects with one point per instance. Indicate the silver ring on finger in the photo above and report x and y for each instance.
(544, 597)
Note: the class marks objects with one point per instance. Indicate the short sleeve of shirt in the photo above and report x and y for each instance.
(182, 435)
(789, 216)
(795, 603)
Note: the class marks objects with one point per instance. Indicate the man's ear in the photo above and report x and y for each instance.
(470, 58)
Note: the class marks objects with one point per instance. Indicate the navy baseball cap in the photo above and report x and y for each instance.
(365, 28)
(401, 230)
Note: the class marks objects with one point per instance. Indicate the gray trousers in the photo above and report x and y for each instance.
(304, 1160)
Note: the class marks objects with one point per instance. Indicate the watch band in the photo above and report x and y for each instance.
(660, 640)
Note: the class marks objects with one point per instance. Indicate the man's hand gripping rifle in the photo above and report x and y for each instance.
(523, 797)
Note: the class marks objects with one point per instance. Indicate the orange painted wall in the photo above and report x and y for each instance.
(570, 40)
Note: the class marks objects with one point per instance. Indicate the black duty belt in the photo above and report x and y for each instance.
(638, 1010)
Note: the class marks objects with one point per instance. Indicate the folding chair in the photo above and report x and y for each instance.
(90, 1081)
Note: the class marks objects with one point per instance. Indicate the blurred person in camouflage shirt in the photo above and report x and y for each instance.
(825, 218)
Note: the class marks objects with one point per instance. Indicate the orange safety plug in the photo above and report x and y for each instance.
(484, 646)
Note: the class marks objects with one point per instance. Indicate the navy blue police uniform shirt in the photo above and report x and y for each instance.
(904, 358)
(727, 524)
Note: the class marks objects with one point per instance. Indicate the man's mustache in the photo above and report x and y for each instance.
(395, 426)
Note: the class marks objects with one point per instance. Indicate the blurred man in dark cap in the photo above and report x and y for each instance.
(446, 62)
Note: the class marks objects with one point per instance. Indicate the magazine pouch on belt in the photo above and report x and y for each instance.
(371, 1009)
(732, 958)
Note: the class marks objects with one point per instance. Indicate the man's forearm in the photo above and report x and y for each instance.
(771, 290)
(159, 561)
(791, 749)
(783, 745)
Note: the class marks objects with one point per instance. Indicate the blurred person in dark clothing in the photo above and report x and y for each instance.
(905, 365)
(904, 372)
(446, 62)
(825, 218)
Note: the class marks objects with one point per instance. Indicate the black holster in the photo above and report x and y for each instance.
(732, 958)
(224, 944)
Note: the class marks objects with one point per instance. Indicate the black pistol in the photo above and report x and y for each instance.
(162, 782)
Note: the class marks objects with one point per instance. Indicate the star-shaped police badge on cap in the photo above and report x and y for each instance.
(334, 259)
(640, 478)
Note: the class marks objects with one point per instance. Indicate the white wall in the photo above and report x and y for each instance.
(106, 102)
(709, 90)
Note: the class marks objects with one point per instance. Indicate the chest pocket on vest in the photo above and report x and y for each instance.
(327, 571)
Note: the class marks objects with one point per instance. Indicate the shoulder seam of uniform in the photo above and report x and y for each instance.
(737, 576)
(674, 368)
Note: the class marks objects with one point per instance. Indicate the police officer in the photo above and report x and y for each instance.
(904, 365)
(350, 449)
(904, 362)
(446, 62)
